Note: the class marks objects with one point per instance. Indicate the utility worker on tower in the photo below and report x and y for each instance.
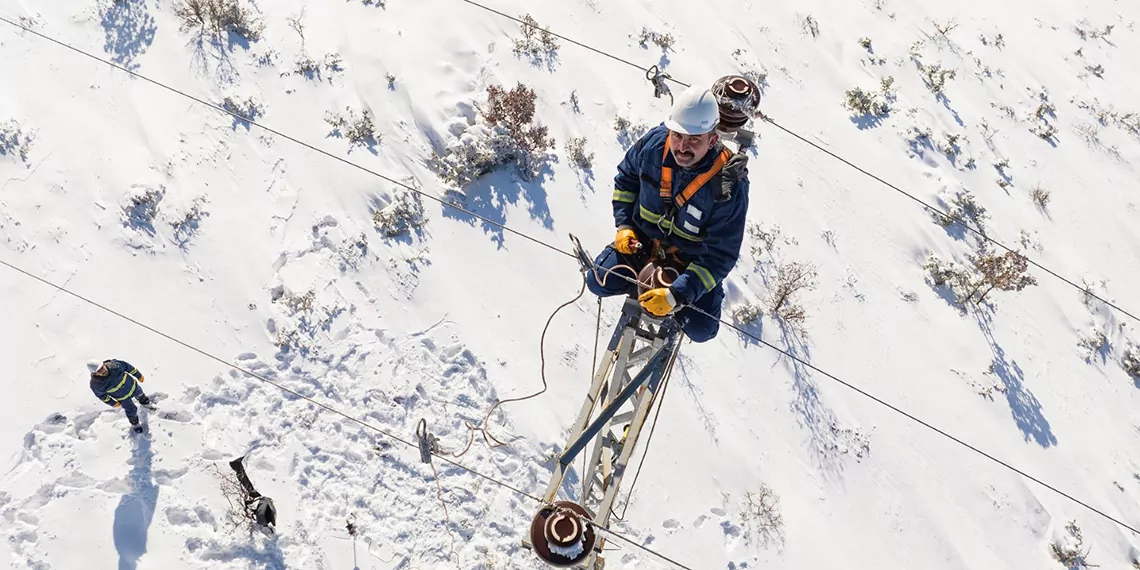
(116, 383)
(680, 201)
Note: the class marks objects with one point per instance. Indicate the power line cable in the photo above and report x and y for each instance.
(321, 405)
(965, 223)
(284, 136)
(553, 248)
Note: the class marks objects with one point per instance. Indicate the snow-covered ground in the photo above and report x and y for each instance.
(265, 254)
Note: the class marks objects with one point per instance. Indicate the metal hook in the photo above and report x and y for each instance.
(428, 442)
(657, 77)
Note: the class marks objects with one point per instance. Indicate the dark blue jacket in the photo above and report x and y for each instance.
(707, 231)
(119, 383)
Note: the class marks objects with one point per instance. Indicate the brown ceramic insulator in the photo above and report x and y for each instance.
(738, 99)
(653, 276)
(562, 525)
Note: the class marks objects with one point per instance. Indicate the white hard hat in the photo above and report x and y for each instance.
(695, 112)
(94, 365)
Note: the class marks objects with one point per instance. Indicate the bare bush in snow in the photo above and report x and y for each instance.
(949, 145)
(537, 43)
(310, 68)
(866, 103)
(627, 132)
(866, 44)
(142, 207)
(514, 111)
(935, 77)
(357, 129)
(403, 214)
(1045, 109)
(1040, 196)
(763, 239)
(761, 516)
(1045, 131)
(508, 137)
(663, 41)
(1091, 290)
(1029, 241)
(809, 25)
(941, 35)
(218, 18)
(577, 153)
(15, 141)
(1093, 343)
(997, 41)
(1085, 30)
(186, 227)
(747, 313)
(296, 303)
(1069, 552)
(246, 110)
(1131, 123)
(951, 275)
(1131, 361)
(1005, 272)
(791, 278)
(964, 208)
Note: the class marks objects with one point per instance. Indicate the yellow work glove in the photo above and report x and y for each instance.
(658, 301)
(116, 405)
(626, 241)
(142, 378)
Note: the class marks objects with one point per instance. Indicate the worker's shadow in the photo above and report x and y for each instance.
(136, 508)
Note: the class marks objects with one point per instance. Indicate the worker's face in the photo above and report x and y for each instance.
(102, 371)
(690, 149)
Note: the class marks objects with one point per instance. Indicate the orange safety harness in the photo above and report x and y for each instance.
(667, 177)
(672, 205)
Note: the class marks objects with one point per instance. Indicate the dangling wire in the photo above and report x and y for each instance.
(491, 440)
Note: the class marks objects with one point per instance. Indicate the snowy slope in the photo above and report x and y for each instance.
(440, 324)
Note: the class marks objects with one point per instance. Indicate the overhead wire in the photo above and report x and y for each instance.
(657, 76)
(537, 241)
(362, 423)
(324, 406)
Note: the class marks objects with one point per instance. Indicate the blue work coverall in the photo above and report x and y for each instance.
(120, 386)
(707, 231)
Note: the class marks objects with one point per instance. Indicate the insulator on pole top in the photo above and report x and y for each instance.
(738, 98)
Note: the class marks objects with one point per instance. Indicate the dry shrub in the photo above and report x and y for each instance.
(514, 111)
(218, 19)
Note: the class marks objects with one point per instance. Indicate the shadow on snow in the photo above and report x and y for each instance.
(128, 31)
(1023, 405)
(491, 194)
(136, 508)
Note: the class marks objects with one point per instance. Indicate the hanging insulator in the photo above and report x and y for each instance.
(739, 100)
(561, 535)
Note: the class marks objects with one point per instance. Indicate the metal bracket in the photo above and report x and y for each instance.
(429, 444)
(585, 262)
(657, 78)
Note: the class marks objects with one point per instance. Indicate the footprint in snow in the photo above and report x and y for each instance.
(77, 480)
(168, 476)
(186, 516)
(180, 416)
